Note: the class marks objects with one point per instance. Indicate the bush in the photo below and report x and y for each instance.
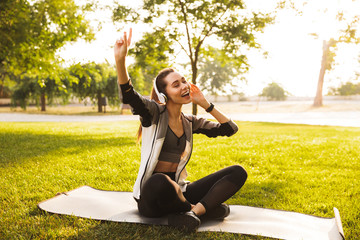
(274, 92)
(346, 89)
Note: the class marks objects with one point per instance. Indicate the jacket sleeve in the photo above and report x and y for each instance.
(214, 129)
(141, 106)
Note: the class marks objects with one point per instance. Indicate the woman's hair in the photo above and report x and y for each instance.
(159, 80)
(161, 86)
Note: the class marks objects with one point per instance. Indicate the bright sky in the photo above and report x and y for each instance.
(294, 55)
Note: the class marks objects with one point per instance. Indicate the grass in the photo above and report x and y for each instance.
(307, 169)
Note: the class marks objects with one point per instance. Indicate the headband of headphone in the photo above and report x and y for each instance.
(162, 97)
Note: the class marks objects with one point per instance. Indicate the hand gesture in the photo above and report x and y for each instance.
(197, 97)
(121, 46)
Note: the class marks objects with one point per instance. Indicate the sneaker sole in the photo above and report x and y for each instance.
(183, 222)
(225, 211)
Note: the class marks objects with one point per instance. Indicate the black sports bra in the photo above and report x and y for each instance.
(173, 147)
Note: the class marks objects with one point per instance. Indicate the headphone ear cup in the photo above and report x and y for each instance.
(163, 97)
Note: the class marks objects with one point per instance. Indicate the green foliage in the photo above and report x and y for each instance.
(29, 89)
(32, 32)
(89, 80)
(137, 79)
(346, 89)
(329, 52)
(5, 93)
(151, 55)
(95, 81)
(218, 70)
(307, 169)
(192, 24)
(274, 92)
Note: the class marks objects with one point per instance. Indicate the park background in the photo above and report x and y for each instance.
(57, 59)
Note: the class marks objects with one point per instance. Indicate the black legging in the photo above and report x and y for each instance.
(216, 188)
(159, 197)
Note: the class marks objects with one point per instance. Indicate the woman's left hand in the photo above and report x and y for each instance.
(197, 97)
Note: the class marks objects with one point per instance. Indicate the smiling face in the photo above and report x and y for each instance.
(177, 88)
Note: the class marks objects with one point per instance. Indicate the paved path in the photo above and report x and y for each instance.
(348, 118)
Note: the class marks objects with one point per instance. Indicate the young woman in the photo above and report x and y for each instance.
(167, 137)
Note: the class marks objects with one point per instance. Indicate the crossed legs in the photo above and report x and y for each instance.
(215, 188)
(161, 196)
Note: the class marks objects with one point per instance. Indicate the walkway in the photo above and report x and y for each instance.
(347, 119)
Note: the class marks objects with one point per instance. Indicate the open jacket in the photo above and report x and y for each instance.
(154, 121)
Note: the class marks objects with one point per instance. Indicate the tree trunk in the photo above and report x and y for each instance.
(318, 101)
(99, 103)
(1, 89)
(2, 77)
(194, 75)
(43, 102)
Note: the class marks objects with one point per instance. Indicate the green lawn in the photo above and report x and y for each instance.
(307, 169)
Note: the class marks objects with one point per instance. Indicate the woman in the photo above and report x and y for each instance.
(160, 188)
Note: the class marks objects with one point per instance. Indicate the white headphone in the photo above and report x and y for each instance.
(162, 97)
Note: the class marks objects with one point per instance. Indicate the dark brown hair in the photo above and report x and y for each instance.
(161, 86)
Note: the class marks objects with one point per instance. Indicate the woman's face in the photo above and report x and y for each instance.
(177, 88)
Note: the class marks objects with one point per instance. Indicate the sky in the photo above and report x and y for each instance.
(294, 56)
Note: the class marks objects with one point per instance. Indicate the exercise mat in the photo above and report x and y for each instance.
(114, 206)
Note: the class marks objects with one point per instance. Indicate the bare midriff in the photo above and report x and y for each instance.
(163, 166)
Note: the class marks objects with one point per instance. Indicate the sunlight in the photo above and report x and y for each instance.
(294, 52)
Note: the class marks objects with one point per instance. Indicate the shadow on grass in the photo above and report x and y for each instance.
(113, 230)
(17, 147)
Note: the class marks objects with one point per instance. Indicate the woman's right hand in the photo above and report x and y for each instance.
(121, 46)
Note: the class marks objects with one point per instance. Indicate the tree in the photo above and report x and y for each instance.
(343, 22)
(218, 71)
(14, 16)
(195, 24)
(346, 89)
(95, 81)
(151, 55)
(32, 32)
(29, 89)
(326, 64)
(274, 92)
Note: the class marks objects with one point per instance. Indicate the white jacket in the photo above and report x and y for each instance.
(154, 120)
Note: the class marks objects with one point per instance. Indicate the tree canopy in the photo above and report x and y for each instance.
(217, 71)
(193, 25)
(151, 55)
(31, 89)
(95, 81)
(274, 92)
(32, 32)
(346, 89)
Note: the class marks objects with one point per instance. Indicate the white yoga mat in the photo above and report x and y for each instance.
(97, 204)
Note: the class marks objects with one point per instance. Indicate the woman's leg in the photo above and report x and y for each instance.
(216, 188)
(160, 196)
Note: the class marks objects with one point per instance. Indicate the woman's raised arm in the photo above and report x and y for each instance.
(120, 52)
